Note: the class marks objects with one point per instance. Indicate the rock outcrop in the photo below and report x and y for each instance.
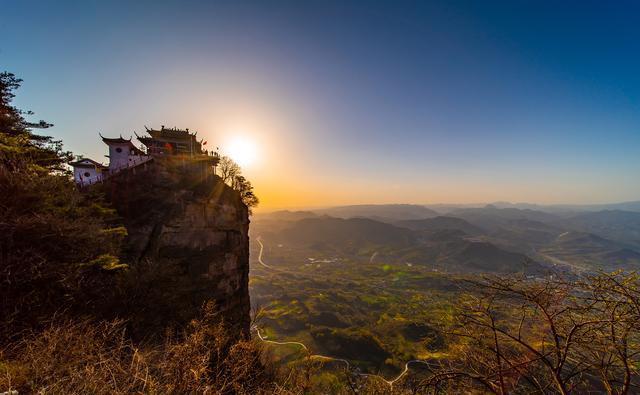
(187, 241)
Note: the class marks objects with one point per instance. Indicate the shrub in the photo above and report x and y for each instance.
(78, 357)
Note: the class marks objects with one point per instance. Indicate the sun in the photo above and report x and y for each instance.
(243, 151)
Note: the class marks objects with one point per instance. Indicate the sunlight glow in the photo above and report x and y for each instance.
(242, 150)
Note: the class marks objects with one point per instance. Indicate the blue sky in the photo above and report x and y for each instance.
(353, 102)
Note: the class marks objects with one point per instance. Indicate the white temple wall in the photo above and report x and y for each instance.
(86, 175)
(119, 156)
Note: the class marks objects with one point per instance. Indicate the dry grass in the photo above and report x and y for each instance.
(97, 358)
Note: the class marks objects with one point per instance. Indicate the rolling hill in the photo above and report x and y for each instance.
(381, 212)
(486, 257)
(623, 226)
(446, 248)
(345, 234)
(485, 239)
(285, 215)
(592, 251)
(492, 218)
(441, 223)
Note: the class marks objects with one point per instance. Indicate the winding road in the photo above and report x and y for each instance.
(259, 240)
(319, 356)
(325, 357)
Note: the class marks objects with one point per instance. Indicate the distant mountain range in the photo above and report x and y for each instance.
(551, 208)
(492, 218)
(562, 208)
(489, 238)
(286, 215)
(382, 212)
(440, 223)
(417, 211)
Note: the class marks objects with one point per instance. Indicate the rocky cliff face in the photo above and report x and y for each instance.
(188, 243)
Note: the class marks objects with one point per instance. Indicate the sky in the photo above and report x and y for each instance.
(351, 102)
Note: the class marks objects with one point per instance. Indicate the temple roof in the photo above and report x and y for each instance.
(173, 133)
(119, 140)
(145, 138)
(87, 162)
(176, 141)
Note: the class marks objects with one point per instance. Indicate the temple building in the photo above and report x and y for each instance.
(171, 142)
(123, 154)
(88, 171)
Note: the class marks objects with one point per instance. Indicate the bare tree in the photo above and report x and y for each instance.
(550, 336)
(616, 348)
(229, 170)
(231, 174)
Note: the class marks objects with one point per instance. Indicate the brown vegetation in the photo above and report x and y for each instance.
(78, 357)
(552, 336)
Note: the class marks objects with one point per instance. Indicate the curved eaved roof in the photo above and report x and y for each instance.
(119, 140)
(122, 140)
(87, 162)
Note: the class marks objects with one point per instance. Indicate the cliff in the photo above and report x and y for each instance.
(187, 244)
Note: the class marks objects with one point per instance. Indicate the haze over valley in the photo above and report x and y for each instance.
(373, 283)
